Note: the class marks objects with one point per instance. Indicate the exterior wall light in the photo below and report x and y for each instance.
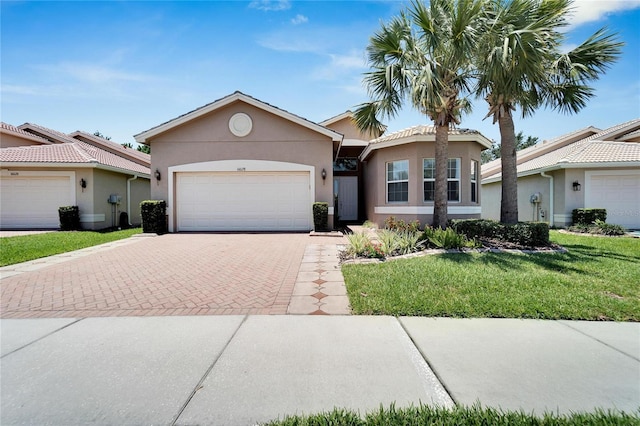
(576, 186)
(323, 174)
(158, 175)
(83, 183)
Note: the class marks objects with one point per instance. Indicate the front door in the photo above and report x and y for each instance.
(346, 189)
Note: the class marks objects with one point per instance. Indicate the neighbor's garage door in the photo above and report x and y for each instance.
(33, 201)
(619, 194)
(243, 201)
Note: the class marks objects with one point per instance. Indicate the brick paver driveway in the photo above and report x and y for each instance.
(174, 274)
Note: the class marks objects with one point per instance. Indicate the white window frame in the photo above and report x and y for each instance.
(449, 179)
(474, 168)
(454, 179)
(433, 179)
(387, 181)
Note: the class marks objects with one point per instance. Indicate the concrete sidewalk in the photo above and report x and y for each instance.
(241, 370)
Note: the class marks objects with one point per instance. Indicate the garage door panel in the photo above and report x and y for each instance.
(619, 194)
(274, 201)
(33, 201)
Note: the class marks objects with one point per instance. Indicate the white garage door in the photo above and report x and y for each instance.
(33, 201)
(243, 201)
(618, 193)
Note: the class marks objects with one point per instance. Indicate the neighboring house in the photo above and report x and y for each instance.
(241, 164)
(590, 168)
(42, 169)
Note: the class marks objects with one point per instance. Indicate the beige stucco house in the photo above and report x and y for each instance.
(400, 174)
(589, 168)
(42, 169)
(241, 164)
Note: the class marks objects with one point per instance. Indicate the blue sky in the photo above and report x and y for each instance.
(123, 67)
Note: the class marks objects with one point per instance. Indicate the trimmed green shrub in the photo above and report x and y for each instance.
(320, 216)
(588, 216)
(527, 234)
(69, 218)
(154, 216)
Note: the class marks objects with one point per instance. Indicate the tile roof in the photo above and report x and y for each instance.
(114, 147)
(420, 130)
(12, 129)
(76, 152)
(51, 135)
(599, 148)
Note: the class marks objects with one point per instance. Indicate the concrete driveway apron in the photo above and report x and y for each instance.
(173, 274)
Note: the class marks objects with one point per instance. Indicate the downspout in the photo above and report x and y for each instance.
(129, 198)
(551, 211)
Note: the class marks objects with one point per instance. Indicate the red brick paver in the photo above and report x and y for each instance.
(174, 274)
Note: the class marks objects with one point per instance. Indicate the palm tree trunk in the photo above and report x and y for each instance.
(509, 201)
(440, 199)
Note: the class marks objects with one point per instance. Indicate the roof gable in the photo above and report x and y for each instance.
(227, 100)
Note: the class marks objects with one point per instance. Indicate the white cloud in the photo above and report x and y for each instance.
(299, 19)
(595, 10)
(270, 5)
(340, 66)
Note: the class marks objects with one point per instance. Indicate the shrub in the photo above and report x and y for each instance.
(527, 234)
(476, 228)
(69, 218)
(154, 216)
(588, 216)
(357, 243)
(320, 216)
(388, 241)
(400, 225)
(446, 238)
(409, 241)
(599, 227)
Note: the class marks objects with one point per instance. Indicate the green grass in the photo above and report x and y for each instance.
(596, 280)
(458, 416)
(29, 247)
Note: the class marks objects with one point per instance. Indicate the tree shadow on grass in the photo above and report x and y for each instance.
(568, 262)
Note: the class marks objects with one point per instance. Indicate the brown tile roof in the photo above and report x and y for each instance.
(601, 147)
(76, 152)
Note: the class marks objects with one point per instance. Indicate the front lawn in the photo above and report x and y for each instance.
(29, 247)
(596, 280)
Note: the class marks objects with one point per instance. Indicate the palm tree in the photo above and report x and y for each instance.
(520, 64)
(424, 57)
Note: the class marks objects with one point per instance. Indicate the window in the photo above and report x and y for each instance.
(429, 175)
(474, 181)
(398, 181)
(453, 179)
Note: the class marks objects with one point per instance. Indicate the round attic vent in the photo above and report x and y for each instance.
(240, 124)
